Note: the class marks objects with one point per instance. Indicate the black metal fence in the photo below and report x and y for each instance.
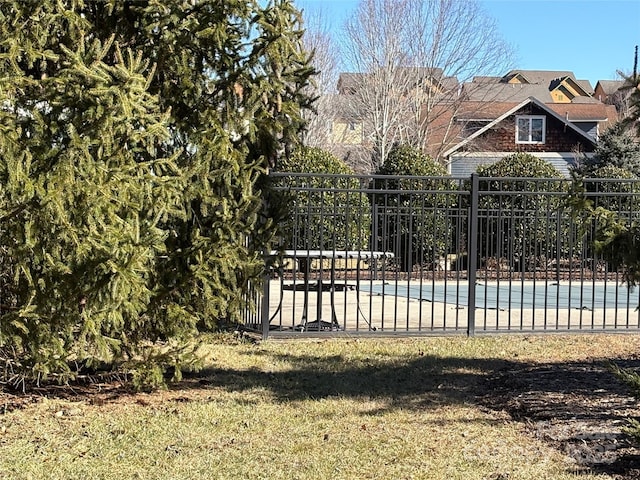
(414, 255)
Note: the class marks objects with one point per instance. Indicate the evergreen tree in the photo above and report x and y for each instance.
(617, 147)
(617, 229)
(134, 140)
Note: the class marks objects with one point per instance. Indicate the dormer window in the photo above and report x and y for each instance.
(530, 128)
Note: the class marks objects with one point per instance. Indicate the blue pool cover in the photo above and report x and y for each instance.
(507, 295)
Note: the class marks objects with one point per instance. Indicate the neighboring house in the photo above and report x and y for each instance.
(559, 133)
(343, 133)
(350, 113)
(346, 126)
(546, 85)
(606, 88)
(551, 114)
(431, 80)
(613, 92)
(562, 85)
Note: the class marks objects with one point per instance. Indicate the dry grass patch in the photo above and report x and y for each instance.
(328, 409)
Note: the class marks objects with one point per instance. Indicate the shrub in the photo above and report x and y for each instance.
(324, 211)
(407, 160)
(614, 188)
(612, 171)
(519, 165)
(410, 212)
(522, 216)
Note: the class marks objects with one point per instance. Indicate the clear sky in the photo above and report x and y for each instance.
(591, 38)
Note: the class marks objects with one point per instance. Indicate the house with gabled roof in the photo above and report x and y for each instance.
(563, 85)
(606, 88)
(559, 133)
(547, 85)
(349, 124)
(548, 113)
(433, 79)
(614, 92)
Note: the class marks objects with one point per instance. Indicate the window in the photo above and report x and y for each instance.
(530, 128)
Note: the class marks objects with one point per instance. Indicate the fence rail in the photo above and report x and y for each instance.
(463, 255)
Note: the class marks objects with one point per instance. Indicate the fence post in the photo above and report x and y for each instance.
(472, 253)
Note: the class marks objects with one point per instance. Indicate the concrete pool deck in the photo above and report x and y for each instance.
(375, 307)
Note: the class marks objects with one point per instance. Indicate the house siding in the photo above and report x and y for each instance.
(502, 138)
(345, 132)
(463, 165)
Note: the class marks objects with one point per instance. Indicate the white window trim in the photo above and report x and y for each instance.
(531, 117)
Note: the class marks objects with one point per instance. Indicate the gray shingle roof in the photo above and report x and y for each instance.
(349, 82)
(505, 92)
(610, 86)
(486, 79)
(538, 77)
(541, 77)
(586, 86)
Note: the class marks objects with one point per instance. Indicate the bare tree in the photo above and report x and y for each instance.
(630, 93)
(414, 56)
(318, 40)
(374, 47)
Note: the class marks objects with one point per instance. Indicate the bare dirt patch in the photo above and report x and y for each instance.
(581, 408)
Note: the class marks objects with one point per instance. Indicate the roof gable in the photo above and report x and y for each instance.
(516, 77)
(512, 111)
(610, 86)
(540, 77)
(572, 84)
(546, 78)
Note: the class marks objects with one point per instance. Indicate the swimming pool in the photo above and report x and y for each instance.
(521, 295)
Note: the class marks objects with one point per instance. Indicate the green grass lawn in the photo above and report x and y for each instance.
(325, 409)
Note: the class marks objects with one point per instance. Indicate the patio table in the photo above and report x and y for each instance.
(304, 259)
